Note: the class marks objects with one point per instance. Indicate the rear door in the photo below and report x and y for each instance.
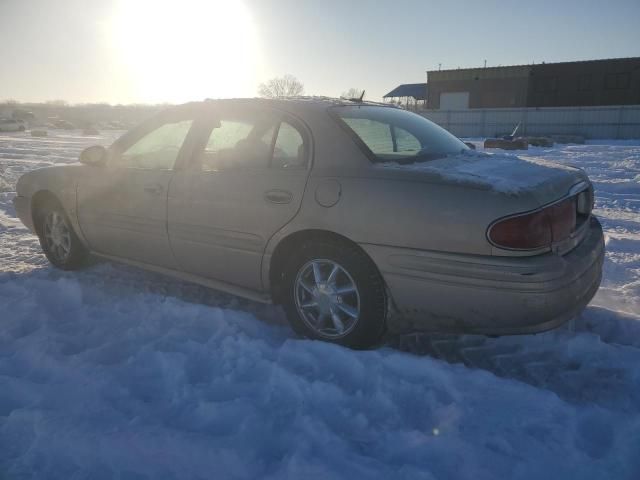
(122, 207)
(245, 183)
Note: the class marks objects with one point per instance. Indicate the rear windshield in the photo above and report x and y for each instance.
(394, 135)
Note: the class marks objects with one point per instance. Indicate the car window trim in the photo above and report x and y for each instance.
(363, 147)
(394, 140)
(291, 121)
(274, 140)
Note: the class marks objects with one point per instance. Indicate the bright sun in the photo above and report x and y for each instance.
(175, 51)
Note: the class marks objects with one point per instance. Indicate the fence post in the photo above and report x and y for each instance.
(484, 123)
(580, 123)
(620, 112)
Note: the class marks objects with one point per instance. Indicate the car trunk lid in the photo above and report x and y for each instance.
(547, 182)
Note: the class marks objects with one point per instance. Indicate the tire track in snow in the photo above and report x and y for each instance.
(591, 360)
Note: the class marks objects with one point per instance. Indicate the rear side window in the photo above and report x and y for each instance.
(391, 134)
(289, 150)
(405, 141)
(253, 140)
(239, 143)
(376, 135)
(227, 135)
(383, 138)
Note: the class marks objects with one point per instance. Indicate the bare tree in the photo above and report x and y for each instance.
(287, 86)
(352, 93)
(57, 103)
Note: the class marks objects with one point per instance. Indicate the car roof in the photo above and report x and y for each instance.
(289, 104)
(300, 100)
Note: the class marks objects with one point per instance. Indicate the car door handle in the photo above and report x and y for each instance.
(278, 196)
(154, 189)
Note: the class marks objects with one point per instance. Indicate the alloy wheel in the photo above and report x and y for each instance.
(327, 298)
(57, 236)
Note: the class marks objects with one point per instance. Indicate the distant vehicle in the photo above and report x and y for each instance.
(116, 125)
(90, 131)
(358, 218)
(12, 125)
(63, 124)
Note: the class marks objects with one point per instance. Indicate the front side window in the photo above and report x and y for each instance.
(158, 149)
(391, 134)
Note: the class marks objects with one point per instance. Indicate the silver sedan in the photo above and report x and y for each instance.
(358, 218)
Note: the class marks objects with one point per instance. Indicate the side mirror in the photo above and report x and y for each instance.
(95, 155)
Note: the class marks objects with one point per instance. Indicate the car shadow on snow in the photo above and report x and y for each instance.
(120, 280)
(590, 360)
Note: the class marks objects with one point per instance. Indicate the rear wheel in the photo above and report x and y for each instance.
(334, 292)
(58, 240)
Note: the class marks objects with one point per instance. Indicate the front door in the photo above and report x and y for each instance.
(122, 208)
(244, 185)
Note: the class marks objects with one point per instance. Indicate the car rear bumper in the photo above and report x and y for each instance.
(440, 292)
(22, 206)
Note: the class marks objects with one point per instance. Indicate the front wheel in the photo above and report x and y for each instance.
(334, 292)
(58, 240)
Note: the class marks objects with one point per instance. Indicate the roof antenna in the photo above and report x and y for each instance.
(361, 96)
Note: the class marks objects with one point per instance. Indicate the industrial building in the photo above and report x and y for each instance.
(567, 84)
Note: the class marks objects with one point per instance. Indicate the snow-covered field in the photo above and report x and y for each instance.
(116, 373)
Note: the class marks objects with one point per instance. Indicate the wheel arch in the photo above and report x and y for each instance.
(294, 240)
(40, 199)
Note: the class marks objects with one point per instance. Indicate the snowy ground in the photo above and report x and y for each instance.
(116, 373)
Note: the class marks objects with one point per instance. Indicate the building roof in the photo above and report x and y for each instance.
(497, 67)
(415, 90)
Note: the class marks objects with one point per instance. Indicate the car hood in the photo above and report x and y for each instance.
(507, 174)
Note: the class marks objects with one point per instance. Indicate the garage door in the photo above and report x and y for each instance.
(454, 100)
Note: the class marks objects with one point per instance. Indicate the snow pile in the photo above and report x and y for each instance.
(101, 382)
(112, 372)
(496, 171)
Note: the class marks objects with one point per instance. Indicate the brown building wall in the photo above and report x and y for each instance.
(588, 83)
(592, 83)
(499, 87)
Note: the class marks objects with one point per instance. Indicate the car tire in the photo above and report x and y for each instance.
(350, 308)
(58, 240)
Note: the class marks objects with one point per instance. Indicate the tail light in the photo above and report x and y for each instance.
(538, 229)
(563, 219)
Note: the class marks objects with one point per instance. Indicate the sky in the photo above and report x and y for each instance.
(157, 51)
